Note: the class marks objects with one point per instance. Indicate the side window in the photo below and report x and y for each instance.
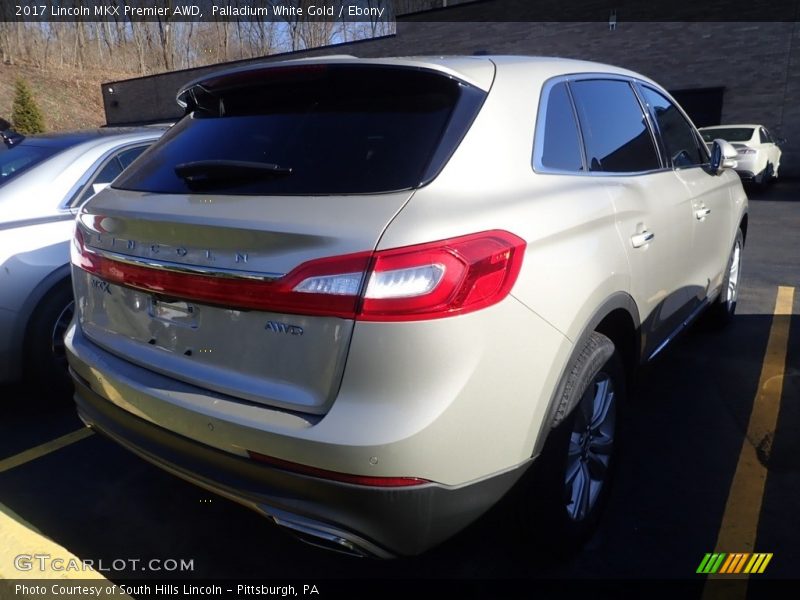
(614, 128)
(128, 156)
(559, 147)
(677, 133)
(106, 174)
(109, 172)
(764, 135)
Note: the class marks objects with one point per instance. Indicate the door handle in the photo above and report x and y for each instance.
(640, 239)
(702, 213)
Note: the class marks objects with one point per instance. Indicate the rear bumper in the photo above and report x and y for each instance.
(352, 518)
(749, 168)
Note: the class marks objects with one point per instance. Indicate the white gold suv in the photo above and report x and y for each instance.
(363, 297)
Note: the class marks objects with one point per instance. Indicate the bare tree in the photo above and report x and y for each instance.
(137, 46)
(165, 34)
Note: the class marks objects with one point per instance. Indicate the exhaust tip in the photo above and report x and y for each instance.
(325, 536)
(321, 539)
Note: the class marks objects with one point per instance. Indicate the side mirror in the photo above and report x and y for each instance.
(723, 156)
(780, 141)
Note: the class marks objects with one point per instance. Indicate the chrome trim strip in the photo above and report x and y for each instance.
(185, 269)
(538, 138)
(686, 322)
(36, 221)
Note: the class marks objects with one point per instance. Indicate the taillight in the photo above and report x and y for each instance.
(76, 250)
(425, 281)
(441, 279)
(233, 292)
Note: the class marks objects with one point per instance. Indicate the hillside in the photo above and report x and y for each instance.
(68, 100)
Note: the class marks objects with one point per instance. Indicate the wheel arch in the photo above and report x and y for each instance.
(28, 307)
(59, 276)
(617, 318)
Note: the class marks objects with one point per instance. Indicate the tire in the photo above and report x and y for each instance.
(767, 175)
(45, 354)
(564, 498)
(721, 312)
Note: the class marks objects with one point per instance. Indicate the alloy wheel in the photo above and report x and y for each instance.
(733, 275)
(590, 447)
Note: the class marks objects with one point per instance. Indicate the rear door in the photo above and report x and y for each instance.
(652, 206)
(709, 194)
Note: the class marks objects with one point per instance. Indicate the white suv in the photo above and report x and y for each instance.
(363, 297)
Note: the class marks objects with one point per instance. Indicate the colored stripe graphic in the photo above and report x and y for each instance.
(711, 562)
(704, 563)
(758, 563)
(742, 559)
(728, 562)
(734, 563)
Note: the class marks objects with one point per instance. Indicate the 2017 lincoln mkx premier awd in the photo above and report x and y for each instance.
(363, 297)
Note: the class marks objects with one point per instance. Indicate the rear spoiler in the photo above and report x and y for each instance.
(205, 92)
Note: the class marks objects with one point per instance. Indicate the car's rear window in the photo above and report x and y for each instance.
(729, 134)
(332, 129)
(16, 160)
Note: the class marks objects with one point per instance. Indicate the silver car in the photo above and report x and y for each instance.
(364, 297)
(44, 179)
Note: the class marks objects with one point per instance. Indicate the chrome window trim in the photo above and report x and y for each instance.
(75, 192)
(186, 269)
(638, 84)
(652, 125)
(538, 136)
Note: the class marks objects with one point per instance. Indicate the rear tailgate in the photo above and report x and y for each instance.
(287, 360)
(197, 263)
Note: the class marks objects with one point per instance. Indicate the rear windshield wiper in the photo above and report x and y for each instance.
(216, 171)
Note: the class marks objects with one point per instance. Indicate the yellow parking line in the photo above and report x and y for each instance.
(19, 541)
(25, 553)
(739, 526)
(46, 448)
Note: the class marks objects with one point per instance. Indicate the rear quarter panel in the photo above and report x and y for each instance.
(574, 260)
(32, 260)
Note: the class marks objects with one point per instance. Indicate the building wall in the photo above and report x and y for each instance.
(757, 63)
